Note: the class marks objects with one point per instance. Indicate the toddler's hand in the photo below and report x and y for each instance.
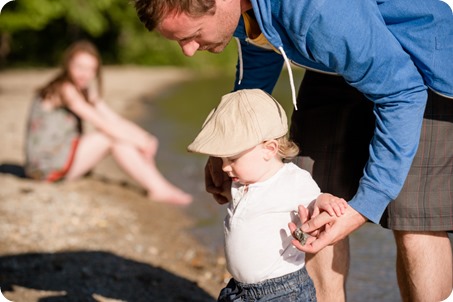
(333, 205)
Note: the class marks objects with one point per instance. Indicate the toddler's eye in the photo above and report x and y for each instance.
(233, 160)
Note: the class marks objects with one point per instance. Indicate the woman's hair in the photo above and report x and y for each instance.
(287, 149)
(53, 87)
(151, 12)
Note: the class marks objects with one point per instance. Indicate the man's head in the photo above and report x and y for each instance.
(151, 12)
(195, 24)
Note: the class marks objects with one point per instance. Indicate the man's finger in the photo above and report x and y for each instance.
(208, 180)
(304, 214)
(213, 172)
(297, 244)
(313, 246)
(292, 227)
(210, 188)
(317, 222)
(315, 212)
(220, 199)
(217, 181)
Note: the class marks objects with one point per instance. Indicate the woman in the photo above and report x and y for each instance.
(56, 147)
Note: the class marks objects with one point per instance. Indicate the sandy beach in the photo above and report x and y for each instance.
(99, 238)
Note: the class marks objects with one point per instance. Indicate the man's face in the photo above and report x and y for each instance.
(209, 32)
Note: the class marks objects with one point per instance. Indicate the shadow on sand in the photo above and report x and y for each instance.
(82, 275)
(14, 169)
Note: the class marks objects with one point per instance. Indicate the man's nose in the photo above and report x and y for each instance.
(190, 48)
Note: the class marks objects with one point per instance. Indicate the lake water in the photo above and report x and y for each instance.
(176, 116)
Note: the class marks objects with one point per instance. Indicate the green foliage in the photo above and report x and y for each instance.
(36, 14)
(28, 14)
(35, 33)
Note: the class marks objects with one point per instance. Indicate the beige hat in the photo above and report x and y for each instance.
(242, 120)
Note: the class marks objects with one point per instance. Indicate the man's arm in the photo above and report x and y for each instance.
(372, 60)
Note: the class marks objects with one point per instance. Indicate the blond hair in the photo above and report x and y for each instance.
(287, 149)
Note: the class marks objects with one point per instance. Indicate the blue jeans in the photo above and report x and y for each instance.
(294, 287)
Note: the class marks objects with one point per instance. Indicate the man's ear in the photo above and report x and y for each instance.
(270, 149)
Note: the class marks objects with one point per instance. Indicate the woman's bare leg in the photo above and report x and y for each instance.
(145, 172)
(95, 146)
(92, 148)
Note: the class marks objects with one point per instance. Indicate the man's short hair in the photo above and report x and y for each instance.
(151, 12)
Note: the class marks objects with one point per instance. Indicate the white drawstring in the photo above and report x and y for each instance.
(241, 70)
(288, 65)
(291, 79)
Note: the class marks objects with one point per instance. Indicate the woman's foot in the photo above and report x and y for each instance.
(171, 195)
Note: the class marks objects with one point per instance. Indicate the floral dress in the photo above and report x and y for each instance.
(51, 141)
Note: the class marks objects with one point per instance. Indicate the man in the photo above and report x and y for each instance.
(390, 52)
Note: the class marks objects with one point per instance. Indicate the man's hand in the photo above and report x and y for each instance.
(217, 182)
(325, 229)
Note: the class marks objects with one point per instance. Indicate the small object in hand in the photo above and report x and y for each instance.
(300, 235)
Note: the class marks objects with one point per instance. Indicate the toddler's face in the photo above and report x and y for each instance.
(249, 166)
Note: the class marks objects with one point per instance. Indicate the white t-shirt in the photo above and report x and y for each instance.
(257, 238)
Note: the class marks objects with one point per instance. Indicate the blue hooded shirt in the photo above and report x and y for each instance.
(390, 50)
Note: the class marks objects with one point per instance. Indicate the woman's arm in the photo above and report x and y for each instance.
(107, 121)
